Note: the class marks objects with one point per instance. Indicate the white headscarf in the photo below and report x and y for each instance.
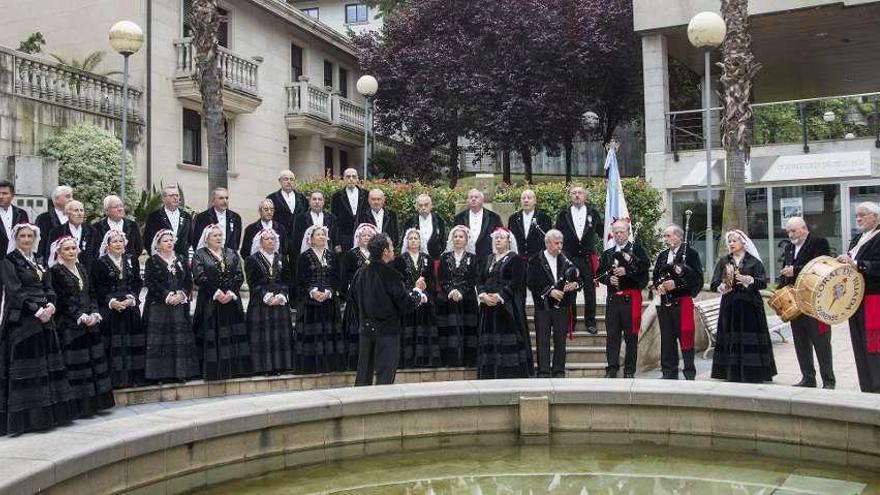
(307, 238)
(360, 228)
(255, 244)
(207, 231)
(749, 245)
(468, 247)
(159, 235)
(23, 225)
(404, 248)
(105, 244)
(500, 231)
(55, 247)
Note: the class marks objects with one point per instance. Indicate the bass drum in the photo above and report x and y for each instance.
(828, 290)
(784, 302)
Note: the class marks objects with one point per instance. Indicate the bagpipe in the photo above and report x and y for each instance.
(622, 258)
(570, 272)
(676, 270)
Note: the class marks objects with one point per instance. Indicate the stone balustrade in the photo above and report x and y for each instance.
(238, 73)
(307, 99)
(58, 84)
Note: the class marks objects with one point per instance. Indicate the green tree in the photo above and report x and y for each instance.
(33, 44)
(88, 64)
(88, 159)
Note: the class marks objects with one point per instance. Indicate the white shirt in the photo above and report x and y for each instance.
(426, 228)
(670, 258)
(866, 236)
(76, 232)
(265, 224)
(6, 216)
(290, 199)
(353, 196)
(475, 223)
(174, 218)
(579, 217)
(221, 219)
(116, 225)
(317, 218)
(62, 217)
(379, 218)
(551, 260)
(527, 221)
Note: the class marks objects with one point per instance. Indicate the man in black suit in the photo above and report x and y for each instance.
(678, 278)
(582, 228)
(430, 225)
(624, 268)
(219, 214)
(170, 216)
(554, 282)
(10, 215)
(807, 332)
(383, 218)
(53, 218)
(348, 204)
(482, 223)
(85, 235)
(266, 221)
(529, 225)
(114, 218)
(288, 202)
(316, 215)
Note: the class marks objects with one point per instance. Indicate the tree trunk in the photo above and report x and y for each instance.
(505, 166)
(454, 171)
(738, 69)
(569, 148)
(526, 154)
(205, 21)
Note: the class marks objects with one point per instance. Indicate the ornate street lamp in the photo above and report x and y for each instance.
(126, 38)
(367, 86)
(707, 30)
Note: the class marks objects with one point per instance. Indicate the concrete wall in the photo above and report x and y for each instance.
(332, 13)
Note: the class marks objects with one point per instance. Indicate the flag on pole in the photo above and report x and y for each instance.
(615, 203)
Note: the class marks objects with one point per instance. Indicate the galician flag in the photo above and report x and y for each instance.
(615, 203)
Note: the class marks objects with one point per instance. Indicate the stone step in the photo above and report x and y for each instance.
(581, 338)
(584, 370)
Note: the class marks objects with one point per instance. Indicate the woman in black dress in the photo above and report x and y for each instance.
(318, 339)
(419, 347)
(743, 350)
(116, 277)
(77, 320)
(171, 346)
(38, 394)
(219, 325)
(268, 313)
(504, 348)
(352, 260)
(457, 301)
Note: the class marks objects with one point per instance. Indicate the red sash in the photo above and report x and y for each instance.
(437, 285)
(635, 308)
(571, 322)
(823, 327)
(594, 265)
(872, 322)
(686, 306)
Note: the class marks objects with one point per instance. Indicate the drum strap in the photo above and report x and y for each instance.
(594, 265)
(686, 306)
(872, 322)
(635, 308)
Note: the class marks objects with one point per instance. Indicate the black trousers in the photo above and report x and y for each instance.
(670, 341)
(551, 322)
(379, 354)
(618, 321)
(867, 365)
(805, 332)
(586, 268)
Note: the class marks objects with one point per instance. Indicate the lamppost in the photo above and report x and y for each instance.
(707, 30)
(367, 86)
(126, 38)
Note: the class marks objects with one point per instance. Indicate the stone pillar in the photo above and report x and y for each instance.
(656, 82)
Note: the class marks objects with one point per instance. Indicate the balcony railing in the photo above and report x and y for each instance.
(787, 122)
(307, 99)
(238, 73)
(61, 85)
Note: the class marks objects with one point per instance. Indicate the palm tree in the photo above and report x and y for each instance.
(205, 19)
(88, 64)
(738, 67)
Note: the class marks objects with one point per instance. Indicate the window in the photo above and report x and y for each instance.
(328, 161)
(296, 62)
(192, 137)
(223, 35)
(356, 13)
(328, 74)
(818, 205)
(312, 12)
(343, 82)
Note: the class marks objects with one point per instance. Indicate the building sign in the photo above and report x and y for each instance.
(819, 166)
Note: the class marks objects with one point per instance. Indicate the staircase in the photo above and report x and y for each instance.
(585, 353)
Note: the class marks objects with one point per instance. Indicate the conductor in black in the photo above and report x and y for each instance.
(381, 298)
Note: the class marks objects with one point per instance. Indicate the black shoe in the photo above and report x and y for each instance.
(629, 375)
(610, 374)
(592, 330)
(806, 383)
(828, 385)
